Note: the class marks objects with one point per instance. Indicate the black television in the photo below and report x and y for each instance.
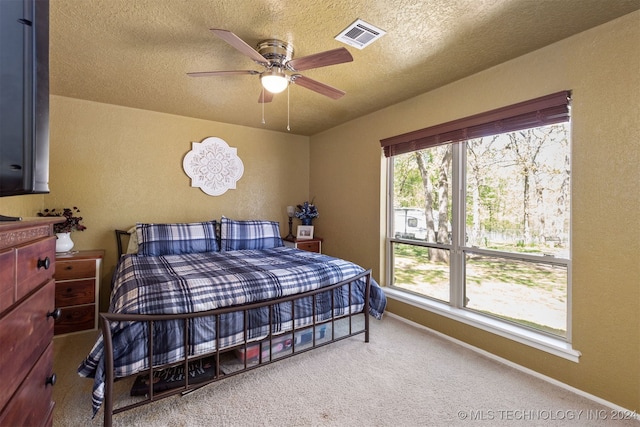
(24, 97)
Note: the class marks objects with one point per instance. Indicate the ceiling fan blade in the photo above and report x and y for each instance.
(240, 45)
(322, 59)
(265, 96)
(316, 86)
(221, 73)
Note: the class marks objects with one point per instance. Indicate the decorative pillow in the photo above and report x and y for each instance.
(175, 239)
(251, 234)
(132, 246)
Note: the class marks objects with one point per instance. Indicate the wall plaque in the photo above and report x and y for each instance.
(213, 166)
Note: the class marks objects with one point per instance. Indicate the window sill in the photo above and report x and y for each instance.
(555, 346)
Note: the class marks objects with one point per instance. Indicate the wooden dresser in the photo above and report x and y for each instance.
(77, 289)
(27, 315)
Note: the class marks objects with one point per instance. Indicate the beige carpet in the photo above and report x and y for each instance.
(405, 376)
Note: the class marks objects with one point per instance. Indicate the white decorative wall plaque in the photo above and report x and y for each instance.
(213, 166)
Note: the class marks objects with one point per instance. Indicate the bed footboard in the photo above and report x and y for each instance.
(347, 325)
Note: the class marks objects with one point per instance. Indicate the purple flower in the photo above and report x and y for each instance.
(71, 223)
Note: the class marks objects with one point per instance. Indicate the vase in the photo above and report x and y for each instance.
(307, 221)
(63, 242)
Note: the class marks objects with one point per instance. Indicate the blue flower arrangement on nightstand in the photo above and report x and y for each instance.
(307, 212)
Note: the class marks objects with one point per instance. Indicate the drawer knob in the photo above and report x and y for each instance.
(44, 263)
(51, 380)
(55, 314)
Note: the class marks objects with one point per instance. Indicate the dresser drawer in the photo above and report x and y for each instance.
(7, 279)
(25, 332)
(75, 292)
(80, 269)
(37, 264)
(32, 404)
(78, 318)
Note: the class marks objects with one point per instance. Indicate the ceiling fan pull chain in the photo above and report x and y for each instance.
(263, 122)
(288, 128)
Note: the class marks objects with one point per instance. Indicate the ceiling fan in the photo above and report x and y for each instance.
(281, 68)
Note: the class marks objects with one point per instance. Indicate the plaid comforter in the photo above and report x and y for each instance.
(206, 281)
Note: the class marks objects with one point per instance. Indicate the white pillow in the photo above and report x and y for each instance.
(132, 247)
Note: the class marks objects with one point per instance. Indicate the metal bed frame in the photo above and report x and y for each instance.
(185, 387)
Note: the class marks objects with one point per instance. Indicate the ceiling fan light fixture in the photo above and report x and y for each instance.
(275, 80)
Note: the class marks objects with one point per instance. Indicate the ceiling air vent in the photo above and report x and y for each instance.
(360, 34)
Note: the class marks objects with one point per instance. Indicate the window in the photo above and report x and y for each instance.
(480, 215)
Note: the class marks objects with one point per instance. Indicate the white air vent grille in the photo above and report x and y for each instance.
(360, 34)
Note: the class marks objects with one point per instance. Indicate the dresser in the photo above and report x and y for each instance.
(27, 315)
(311, 245)
(77, 289)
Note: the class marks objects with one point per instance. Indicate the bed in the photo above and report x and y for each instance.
(228, 293)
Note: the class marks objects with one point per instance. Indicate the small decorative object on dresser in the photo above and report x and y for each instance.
(63, 229)
(77, 290)
(27, 314)
(63, 242)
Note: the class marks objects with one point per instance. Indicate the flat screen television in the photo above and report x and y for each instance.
(24, 97)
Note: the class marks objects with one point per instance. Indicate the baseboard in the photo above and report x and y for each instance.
(520, 368)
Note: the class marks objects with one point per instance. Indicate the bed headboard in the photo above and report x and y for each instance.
(120, 235)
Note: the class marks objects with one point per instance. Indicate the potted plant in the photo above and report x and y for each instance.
(72, 222)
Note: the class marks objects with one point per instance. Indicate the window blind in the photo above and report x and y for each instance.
(542, 111)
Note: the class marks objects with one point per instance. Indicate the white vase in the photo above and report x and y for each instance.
(64, 242)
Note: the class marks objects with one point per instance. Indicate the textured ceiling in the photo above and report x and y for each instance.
(136, 53)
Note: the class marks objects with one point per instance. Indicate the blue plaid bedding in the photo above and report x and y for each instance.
(206, 281)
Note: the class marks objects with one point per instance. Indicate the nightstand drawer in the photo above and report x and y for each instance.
(73, 319)
(75, 292)
(309, 245)
(313, 246)
(79, 269)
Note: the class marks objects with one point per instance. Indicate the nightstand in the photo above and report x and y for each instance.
(311, 245)
(77, 288)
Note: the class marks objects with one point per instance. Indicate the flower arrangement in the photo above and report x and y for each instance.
(307, 211)
(71, 223)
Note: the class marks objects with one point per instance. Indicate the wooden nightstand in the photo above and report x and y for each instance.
(311, 245)
(77, 289)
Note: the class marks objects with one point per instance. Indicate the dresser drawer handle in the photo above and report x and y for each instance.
(51, 380)
(69, 267)
(46, 263)
(55, 314)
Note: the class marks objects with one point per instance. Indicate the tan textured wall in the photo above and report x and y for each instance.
(122, 165)
(602, 68)
(23, 206)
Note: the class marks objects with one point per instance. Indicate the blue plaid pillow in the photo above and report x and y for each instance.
(175, 239)
(252, 234)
